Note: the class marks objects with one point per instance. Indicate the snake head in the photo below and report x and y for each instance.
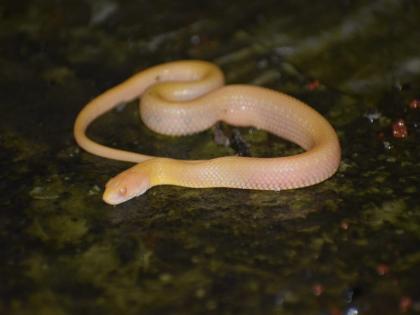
(126, 185)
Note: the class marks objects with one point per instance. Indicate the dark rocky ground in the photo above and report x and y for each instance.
(350, 245)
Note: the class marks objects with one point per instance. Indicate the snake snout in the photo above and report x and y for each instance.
(125, 186)
(115, 192)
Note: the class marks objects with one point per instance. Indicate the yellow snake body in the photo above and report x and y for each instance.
(185, 97)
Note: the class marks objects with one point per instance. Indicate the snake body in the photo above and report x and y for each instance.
(185, 97)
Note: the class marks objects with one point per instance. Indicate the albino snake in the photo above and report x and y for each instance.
(185, 97)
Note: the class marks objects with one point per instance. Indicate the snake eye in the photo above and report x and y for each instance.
(123, 191)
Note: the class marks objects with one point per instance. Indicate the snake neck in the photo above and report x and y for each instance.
(166, 171)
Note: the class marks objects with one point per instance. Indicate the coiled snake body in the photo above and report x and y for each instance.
(184, 97)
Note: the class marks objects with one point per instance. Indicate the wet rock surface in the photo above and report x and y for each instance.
(347, 246)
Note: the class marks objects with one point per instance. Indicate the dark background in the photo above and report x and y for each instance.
(347, 246)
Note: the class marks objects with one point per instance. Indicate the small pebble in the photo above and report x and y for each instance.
(372, 116)
(387, 145)
(352, 311)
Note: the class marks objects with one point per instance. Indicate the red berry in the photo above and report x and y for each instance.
(399, 129)
(415, 104)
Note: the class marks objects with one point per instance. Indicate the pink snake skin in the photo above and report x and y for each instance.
(185, 97)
